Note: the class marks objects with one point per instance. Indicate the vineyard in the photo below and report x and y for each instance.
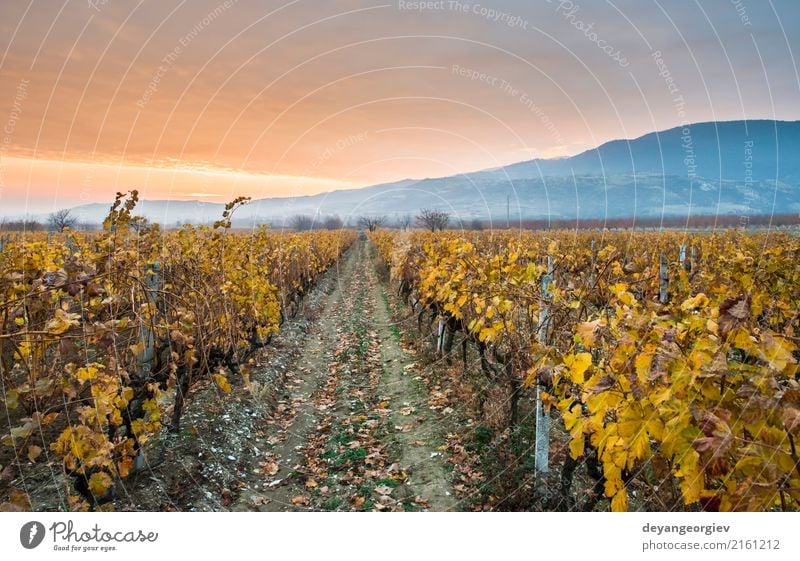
(450, 370)
(669, 360)
(102, 334)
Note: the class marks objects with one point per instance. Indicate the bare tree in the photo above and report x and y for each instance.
(433, 219)
(404, 222)
(61, 219)
(476, 224)
(371, 223)
(333, 222)
(301, 222)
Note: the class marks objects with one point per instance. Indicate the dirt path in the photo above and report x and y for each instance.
(296, 417)
(354, 431)
(415, 427)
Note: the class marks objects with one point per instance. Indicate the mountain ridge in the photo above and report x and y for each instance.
(713, 167)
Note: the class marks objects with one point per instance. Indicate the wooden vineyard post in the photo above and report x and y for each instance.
(542, 443)
(663, 278)
(71, 245)
(152, 277)
(146, 332)
(682, 257)
(440, 336)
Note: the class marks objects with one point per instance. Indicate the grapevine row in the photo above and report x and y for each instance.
(103, 336)
(671, 359)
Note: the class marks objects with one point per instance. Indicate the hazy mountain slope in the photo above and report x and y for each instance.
(714, 150)
(734, 167)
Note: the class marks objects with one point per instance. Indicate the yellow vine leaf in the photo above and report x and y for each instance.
(643, 363)
(695, 302)
(576, 446)
(100, 483)
(692, 487)
(222, 382)
(578, 364)
(776, 352)
(620, 501)
(62, 322)
(587, 331)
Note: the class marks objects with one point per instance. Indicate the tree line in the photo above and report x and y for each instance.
(57, 221)
(437, 220)
(429, 219)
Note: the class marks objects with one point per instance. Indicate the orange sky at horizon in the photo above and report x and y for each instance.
(213, 99)
(98, 181)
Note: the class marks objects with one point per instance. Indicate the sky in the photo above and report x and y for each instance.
(213, 99)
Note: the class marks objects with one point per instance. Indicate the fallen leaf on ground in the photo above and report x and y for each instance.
(34, 452)
(271, 468)
(422, 502)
